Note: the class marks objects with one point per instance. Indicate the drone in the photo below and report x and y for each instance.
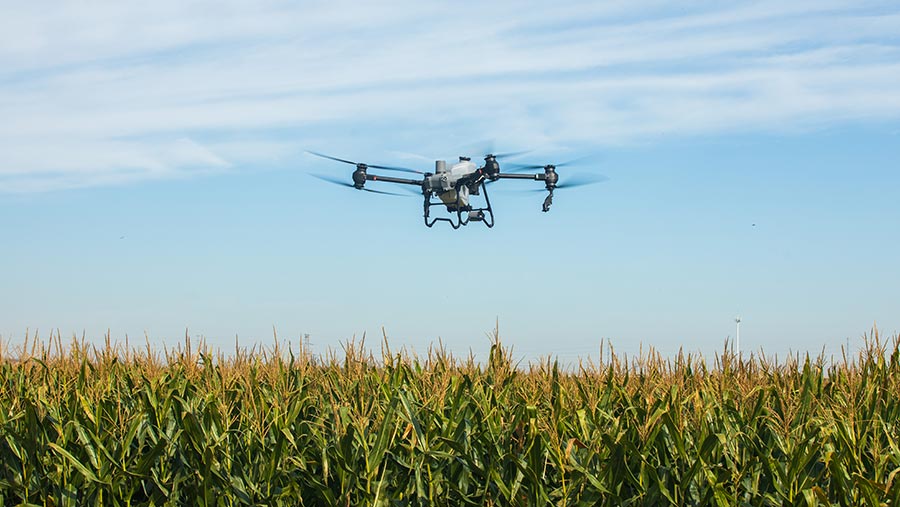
(453, 185)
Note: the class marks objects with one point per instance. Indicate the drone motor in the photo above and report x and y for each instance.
(550, 177)
(491, 167)
(359, 175)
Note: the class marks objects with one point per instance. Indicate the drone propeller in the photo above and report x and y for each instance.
(515, 168)
(336, 181)
(477, 149)
(485, 148)
(578, 180)
(413, 190)
(508, 154)
(373, 166)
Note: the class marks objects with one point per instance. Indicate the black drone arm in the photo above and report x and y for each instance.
(391, 179)
(511, 176)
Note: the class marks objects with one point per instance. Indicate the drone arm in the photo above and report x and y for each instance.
(510, 176)
(390, 179)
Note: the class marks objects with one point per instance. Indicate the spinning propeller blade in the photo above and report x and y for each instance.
(336, 181)
(509, 154)
(517, 168)
(330, 157)
(484, 148)
(412, 190)
(373, 166)
(477, 149)
(579, 180)
(393, 168)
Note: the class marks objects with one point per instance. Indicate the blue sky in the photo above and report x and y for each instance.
(153, 175)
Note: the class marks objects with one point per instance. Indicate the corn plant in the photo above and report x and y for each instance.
(112, 425)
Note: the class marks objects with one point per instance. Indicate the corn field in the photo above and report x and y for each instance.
(81, 425)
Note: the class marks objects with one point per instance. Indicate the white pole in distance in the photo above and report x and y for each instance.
(737, 321)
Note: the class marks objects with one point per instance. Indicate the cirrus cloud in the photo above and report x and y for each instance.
(108, 93)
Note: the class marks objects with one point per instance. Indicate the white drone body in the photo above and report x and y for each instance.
(443, 182)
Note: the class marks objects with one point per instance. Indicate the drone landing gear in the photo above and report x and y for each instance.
(464, 213)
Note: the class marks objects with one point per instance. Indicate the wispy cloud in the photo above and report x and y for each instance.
(94, 94)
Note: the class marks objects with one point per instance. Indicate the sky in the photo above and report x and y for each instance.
(154, 179)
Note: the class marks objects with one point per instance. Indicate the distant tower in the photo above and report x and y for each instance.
(737, 339)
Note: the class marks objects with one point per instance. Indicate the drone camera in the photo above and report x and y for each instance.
(476, 216)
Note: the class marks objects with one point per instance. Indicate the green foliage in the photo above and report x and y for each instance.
(119, 427)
